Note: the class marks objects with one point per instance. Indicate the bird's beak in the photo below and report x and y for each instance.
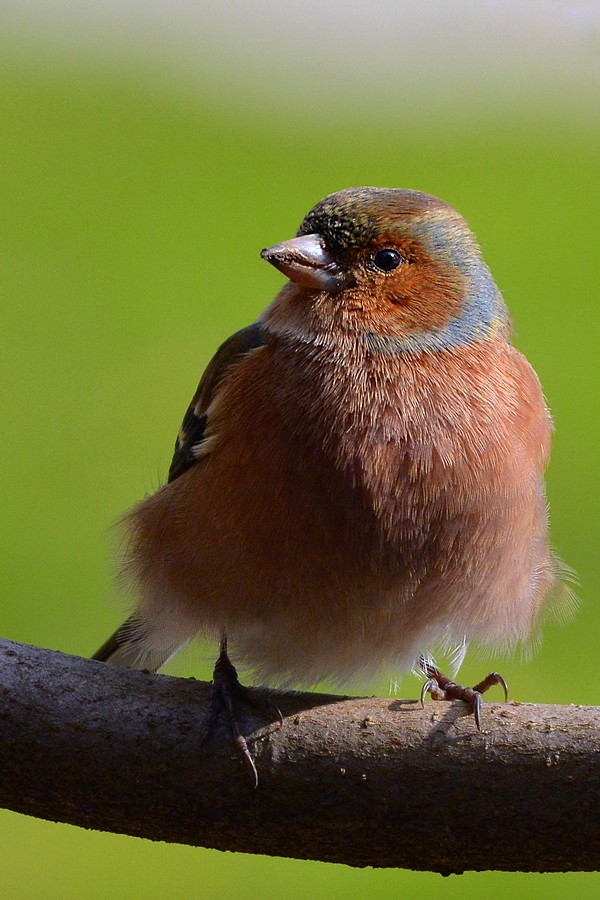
(307, 261)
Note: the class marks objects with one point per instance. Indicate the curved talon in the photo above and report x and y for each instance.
(279, 715)
(265, 704)
(429, 686)
(245, 756)
(490, 680)
(477, 703)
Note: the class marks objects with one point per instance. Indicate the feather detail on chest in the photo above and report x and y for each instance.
(446, 430)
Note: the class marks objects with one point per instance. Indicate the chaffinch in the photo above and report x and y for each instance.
(358, 480)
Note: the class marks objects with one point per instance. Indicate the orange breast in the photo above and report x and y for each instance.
(356, 508)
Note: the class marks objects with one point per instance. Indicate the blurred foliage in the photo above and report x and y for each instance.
(132, 222)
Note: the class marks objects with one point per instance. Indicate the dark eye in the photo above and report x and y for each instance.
(387, 260)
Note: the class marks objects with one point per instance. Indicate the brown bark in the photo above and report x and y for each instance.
(377, 782)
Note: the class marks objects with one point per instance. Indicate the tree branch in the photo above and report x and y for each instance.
(358, 781)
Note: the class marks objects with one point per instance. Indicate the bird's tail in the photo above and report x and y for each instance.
(133, 646)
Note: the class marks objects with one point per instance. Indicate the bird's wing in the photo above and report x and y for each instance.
(190, 445)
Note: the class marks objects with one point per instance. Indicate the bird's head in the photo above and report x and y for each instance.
(400, 267)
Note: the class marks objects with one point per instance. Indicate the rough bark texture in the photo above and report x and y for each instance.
(364, 782)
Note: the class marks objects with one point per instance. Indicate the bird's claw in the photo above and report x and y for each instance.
(227, 694)
(241, 745)
(440, 687)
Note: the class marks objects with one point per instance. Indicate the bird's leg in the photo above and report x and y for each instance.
(440, 687)
(227, 694)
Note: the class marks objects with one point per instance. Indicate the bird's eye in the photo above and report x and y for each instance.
(387, 260)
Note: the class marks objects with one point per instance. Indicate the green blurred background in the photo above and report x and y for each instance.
(148, 152)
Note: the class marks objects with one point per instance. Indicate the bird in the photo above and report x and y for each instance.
(358, 482)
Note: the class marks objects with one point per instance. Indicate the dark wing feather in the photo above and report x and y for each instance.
(188, 446)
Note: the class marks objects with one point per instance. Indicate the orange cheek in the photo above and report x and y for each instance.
(423, 297)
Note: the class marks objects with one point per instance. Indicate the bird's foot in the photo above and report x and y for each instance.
(440, 687)
(226, 696)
